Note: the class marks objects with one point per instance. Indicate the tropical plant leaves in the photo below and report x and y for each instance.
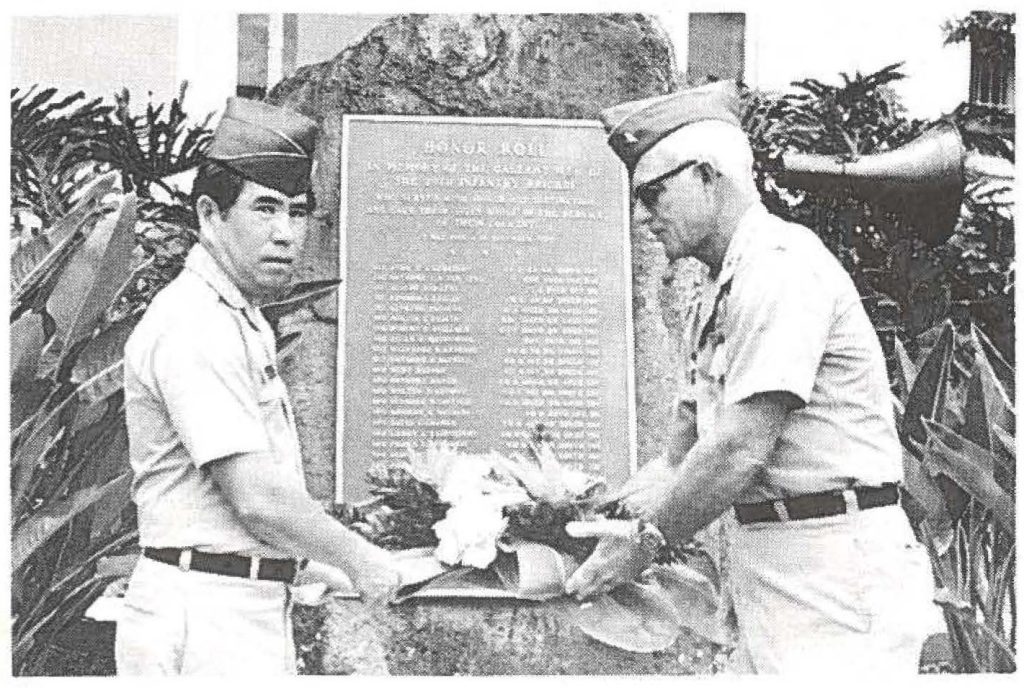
(35, 274)
(971, 467)
(927, 398)
(98, 370)
(287, 345)
(34, 532)
(300, 296)
(89, 282)
(49, 144)
(996, 374)
(695, 599)
(926, 494)
(636, 617)
(534, 571)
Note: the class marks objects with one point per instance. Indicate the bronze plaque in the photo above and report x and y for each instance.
(487, 289)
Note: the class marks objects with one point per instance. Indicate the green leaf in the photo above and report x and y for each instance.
(28, 456)
(927, 396)
(539, 571)
(694, 597)
(287, 344)
(995, 397)
(971, 467)
(634, 617)
(300, 296)
(976, 426)
(85, 289)
(30, 535)
(906, 370)
(1004, 444)
(922, 488)
(1001, 370)
(34, 273)
(27, 392)
(98, 370)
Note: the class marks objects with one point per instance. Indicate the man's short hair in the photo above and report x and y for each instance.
(223, 185)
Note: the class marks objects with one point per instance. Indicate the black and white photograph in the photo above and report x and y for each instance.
(512, 339)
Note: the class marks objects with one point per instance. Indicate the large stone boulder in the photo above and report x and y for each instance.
(551, 66)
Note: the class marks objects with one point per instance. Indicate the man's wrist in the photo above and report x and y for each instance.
(651, 538)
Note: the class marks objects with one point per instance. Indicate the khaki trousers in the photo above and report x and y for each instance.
(191, 623)
(842, 594)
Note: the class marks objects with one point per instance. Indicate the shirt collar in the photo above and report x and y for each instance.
(746, 230)
(203, 265)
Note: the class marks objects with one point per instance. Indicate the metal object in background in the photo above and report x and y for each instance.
(922, 181)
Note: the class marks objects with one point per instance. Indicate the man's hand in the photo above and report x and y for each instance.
(375, 575)
(617, 559)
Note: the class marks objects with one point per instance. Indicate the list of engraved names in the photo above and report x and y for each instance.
(486, 290)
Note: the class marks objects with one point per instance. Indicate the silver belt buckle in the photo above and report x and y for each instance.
(850, 497)
(779, 505)
(254, 568)
(185, 560)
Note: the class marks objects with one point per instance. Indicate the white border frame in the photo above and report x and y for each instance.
(631, 419)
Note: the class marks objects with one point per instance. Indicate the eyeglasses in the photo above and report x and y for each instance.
(649, 192)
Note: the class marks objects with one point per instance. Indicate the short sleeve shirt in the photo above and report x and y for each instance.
(783, 315)
(201, 384)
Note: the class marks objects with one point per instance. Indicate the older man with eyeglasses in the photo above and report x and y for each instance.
(796, 441)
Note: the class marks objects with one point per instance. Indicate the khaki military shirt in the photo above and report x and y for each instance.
(783, 315)
(201, 384)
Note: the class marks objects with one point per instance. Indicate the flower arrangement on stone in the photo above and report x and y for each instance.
(499, 522)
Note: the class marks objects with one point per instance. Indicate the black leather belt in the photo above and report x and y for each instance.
(817, 505)
(255, 568)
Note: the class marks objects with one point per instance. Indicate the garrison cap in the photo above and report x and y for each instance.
(635, 127)
(266, 144)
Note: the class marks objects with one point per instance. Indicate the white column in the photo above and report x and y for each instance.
(275, 50)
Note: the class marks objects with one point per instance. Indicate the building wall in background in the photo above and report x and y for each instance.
(217, 53)
(145, 54)
(99, 55)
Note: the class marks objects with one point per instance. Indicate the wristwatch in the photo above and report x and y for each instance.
(651, 538)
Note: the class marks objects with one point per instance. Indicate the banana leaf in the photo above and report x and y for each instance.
(35, 531)
(971, 467)
(299, 297)
(996, 397)
(287, 345)
(906, 370)
(33, 275)
(27, 392)
(89, 282)
(697, 603)
(927, 398)
(634, 616)
(1002, 370)
(926, 496)
(97, 372)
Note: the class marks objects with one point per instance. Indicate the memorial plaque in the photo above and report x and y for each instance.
(487, 289)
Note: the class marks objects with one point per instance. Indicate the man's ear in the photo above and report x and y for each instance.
(207, 210)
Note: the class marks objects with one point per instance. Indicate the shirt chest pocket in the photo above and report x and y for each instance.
(272, 399)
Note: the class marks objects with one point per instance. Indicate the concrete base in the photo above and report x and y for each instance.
(480, 637)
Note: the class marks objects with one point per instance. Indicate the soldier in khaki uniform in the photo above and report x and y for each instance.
(225, 522)
(796, 441)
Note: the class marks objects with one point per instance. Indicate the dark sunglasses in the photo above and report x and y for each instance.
(649, 192)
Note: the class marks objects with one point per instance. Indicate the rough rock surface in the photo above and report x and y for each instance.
(552, 66)
(484, 637)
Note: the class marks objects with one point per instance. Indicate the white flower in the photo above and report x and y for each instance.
(469, 532)
(465, 478)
